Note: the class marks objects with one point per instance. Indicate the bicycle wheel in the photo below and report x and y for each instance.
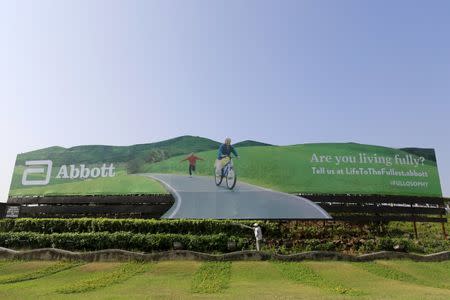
(231, 179)
(217, 178)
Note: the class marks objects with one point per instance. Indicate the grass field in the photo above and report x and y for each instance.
(288, 169)
(122, 184)
(224, 280)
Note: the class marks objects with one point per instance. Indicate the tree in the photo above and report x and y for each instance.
(134, 165)
(156, 155)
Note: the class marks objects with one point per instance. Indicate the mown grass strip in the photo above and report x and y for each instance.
(211, 277)
(386, 272)
(5, 263)
(301, 273)
(55, 268)
(437, 273)
(104, 279)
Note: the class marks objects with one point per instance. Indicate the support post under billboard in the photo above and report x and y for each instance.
(415, 230)
(414, 222)
(443, 230)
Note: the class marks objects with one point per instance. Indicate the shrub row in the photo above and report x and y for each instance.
(196, 227)
(271, 229)
(209, 243)
(283, 237)
(119, 240)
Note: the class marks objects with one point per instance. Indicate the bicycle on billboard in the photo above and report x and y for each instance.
(226, 172)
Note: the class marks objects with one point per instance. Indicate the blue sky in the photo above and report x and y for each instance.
(284, 72)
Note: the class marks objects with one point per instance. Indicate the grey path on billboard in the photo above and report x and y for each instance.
(199, 198)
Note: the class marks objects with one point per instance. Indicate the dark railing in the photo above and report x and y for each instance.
(383, 209)
(139, 206)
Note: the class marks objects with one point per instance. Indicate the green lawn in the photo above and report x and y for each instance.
(122, 184)
(227, 280)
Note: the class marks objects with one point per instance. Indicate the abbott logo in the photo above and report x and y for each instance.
(37, 167)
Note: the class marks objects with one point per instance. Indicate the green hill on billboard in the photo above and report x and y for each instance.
(250, 143)
(92, 154)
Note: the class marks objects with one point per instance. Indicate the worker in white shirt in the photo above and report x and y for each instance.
(258, 234)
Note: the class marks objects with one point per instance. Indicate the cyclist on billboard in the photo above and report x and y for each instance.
(192, 162)
(224, 154)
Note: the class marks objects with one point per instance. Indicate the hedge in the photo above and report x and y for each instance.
(209, 243)
(195, 227)
(119, 240)
(271, 229)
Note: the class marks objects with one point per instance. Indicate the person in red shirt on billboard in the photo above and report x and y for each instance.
(192, 162)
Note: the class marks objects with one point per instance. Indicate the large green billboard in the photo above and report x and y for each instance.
(323, 168)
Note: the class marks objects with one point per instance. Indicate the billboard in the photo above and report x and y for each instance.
(165, 167)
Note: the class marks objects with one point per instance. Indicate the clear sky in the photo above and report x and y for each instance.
(283, 72)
